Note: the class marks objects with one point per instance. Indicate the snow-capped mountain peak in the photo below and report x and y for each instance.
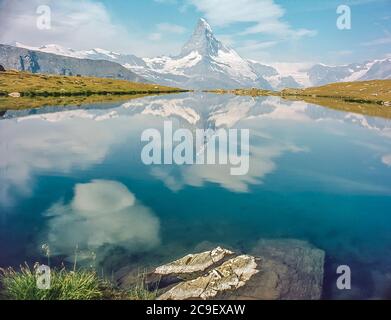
(93, 54)
(203, 41)
(103, 52)
(204, 24)
(205, 63)
(53, 49)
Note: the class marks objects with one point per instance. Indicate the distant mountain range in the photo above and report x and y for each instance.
(204, 63)
(36, 61)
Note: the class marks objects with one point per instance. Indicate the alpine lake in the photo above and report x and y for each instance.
(72, 180)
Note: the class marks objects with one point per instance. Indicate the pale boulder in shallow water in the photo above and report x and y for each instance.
(274, 270)
(231, 275)
(194, 262)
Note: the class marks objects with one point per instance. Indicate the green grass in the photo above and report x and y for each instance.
(139, 291)
(67, 285)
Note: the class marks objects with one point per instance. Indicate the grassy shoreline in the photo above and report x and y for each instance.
(375, 91)
(76, 284)
(370, 109)
(41, 85)
(26, 102)
(38, 90)
(365, 97)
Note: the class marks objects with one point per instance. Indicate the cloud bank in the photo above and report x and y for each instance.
(265, 15)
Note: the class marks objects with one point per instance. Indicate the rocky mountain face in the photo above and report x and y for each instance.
(206, 63)
(41, 62)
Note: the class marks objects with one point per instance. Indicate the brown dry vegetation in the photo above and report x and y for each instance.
(375, 91)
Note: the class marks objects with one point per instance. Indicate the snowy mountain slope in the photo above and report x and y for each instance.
(378, 69)
(297, 71)
(321, 74)
(129, 61)
(93, 54)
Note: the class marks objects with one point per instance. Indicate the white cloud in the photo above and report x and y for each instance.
(342, 52)
(78, 24)
(101, 213)
(227, 39)
(378, 42)
(265, 15)
(256, 45)
(73, 22)
(156, 36)
(166, 1)
(387, 160)
(166, 29)
(279, 29)
(171, 28)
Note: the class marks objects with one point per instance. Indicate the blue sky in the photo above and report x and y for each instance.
(265, 30)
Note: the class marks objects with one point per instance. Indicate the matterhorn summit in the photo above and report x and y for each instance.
(206, 63)
(203, 41)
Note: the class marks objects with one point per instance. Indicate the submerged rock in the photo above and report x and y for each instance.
(274, 270)
(290, 270)
(194, 262)
(231, 275)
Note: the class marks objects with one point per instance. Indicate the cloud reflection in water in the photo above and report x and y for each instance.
(101, 213)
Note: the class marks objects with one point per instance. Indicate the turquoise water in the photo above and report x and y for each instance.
(73, 179)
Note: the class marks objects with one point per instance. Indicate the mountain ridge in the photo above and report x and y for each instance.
(22, 59)
(206, 63)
